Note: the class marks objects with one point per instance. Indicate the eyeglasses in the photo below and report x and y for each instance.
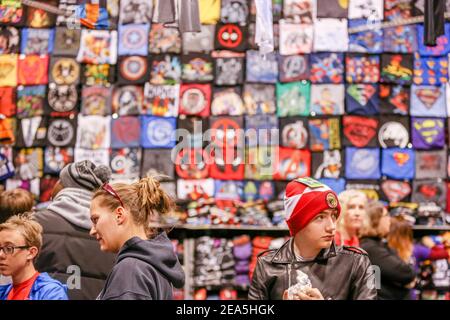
(9, 250)
(112, 192)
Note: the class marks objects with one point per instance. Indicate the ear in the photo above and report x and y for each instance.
(32, 253)
(121, 215)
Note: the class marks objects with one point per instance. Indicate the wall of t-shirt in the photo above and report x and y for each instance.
(364, 110)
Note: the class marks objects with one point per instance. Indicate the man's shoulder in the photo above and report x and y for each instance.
(267, 255)
(352, 251)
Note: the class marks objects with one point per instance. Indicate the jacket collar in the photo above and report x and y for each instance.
(285, 254)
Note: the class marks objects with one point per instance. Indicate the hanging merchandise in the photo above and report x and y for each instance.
(6, 166)
(231, 37)
(56, 158)
(98, 157)
(398, 163)
(372, 9)
(327, 99)
(261, 68)
(31, 132)
(7, 130)
(332, 9)
(28, 163)
(93, 132)
(7, 101)
(197, 68)
(8, 76)
(259, 98)
(228, 164)
(98, 74)
(228, 68)
(262, 130)
(96, 100)
(397, 9)
(127, 100)
(362, 99)
(292, 164)
(135, 11)
(330, 35)
(299, 10)
(167, 40)
(370, 188)
(12, 14)
(161, 100)
(362, 68)
(431, 164)
(430, 70)
(30, 101)
(370, 41)
(362, 163)
(195, 99)
(264, 33)
(157, 161)
(324, 134)
(98, 47)
(428, 133)
(64, 71)
(328, 164)
(227, 101)
(62, 132)
(442, 44)
(192, 163)
(9, 40)
(293, 68)
(260, 163)
(226, 133)
(133, 39)
(428, 101)
(429, 191)
(46, 186)
(295, 38)
(39, 18)
(133, 70)
(234, 11)
(293, 98)
(394, 132)
(202, 41)
(396, 68)
(394, 99)
(394, 191)
(93, 14)
(125, 163)
(37, 41)
(400, 39)
(165, 69)
(62, 100)
(294, 132)
(359, 131)
(157, 132)
(327, 68)
(32, 70)
(125, 132)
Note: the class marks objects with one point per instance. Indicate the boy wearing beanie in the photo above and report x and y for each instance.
(68, 253)
(309, 266)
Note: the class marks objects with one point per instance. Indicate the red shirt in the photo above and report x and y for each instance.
(22, 290)
(353, 242)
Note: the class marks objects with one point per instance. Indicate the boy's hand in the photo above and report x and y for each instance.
(310, 294)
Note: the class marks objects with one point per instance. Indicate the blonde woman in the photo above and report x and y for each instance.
(146, 266)
(353, 203)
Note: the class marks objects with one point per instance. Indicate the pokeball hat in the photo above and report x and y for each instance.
(305, 198)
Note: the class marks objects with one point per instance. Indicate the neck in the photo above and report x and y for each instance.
(24, 275)
(134, 232)
(349, 233)
(304, 249)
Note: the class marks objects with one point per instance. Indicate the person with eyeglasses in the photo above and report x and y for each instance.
(123, 219)
(20, 243)
(67, 247)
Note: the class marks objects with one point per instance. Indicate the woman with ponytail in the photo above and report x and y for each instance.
(146, 266)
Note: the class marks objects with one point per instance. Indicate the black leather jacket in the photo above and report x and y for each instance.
(339, 273)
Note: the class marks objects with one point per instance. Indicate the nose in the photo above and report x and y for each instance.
(331, 225)
(92, 232)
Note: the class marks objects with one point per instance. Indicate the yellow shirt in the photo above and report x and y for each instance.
(209, 11)
(8, 70)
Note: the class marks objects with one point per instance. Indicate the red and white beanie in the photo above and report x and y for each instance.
(304, 199)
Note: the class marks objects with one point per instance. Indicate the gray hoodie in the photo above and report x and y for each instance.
(144, 270)
(73, 204)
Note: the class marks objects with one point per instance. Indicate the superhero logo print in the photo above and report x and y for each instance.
(394, 132)
(133, 69)
(195, 99)
(294, 68)
(328, 164)
(127, 100)
(62, 98)
(125, 132)
(394, 99)
(362, 163)
(64, 71)
(133, 39)
(158, 132)
(428, 133)
(96, 100)
(33, 70)
(61, 133)
(9, 40)
(192, 163)
(292, 164)
(228, 70)
(67, 42)
(396, 191)
(398, 163)
(294, 134)
(431, 164)
(360, 131)
(231, 37)
(57, 158)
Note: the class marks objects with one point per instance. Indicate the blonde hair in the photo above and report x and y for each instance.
(15, 201)
(374, 212)
(400, 237)
(344, 199)
(145, 199)
(29, 228)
